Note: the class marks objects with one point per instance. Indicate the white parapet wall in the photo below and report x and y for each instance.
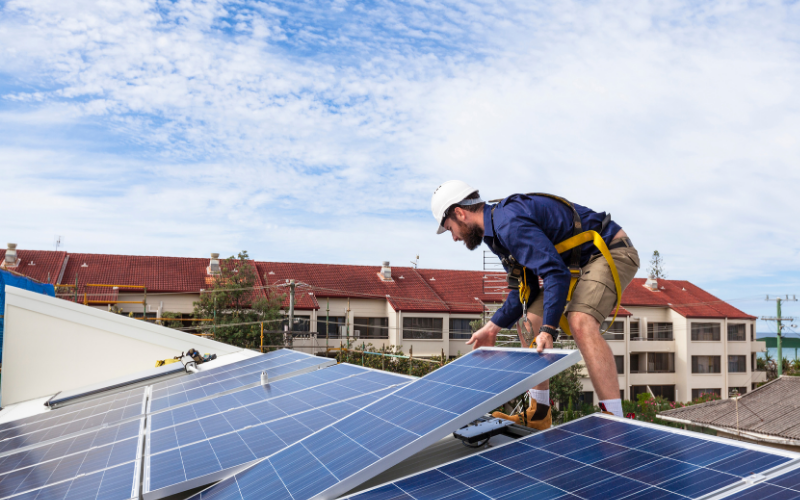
(52, 345)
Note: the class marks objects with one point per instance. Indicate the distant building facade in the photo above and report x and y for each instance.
(671, 338)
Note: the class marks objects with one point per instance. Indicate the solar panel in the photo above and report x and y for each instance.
(88, 408)
(596, 457)
(37, 433)
(277, 364)
(204, 442)
(341, 456)
(110, 468)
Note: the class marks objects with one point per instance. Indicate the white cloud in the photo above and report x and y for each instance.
(317, 132)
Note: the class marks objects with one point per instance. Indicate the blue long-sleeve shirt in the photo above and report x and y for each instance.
(529, 227)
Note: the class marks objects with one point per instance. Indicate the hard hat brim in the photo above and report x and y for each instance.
(441, 230)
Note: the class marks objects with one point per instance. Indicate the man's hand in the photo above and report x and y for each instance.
(543, 341)
(486, 336)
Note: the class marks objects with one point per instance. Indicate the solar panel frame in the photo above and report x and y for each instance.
(256, 481)
(462, 465)
(232, 383)
(221, 474)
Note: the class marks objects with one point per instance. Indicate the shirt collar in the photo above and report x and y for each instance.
(488, 230)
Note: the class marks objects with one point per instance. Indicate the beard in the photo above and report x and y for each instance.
(472, 234)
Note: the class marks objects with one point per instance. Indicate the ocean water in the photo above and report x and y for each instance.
(790, 353)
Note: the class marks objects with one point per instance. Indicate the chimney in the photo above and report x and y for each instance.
(386, 271)
(213, 266)
(11, 255)
(651, 284)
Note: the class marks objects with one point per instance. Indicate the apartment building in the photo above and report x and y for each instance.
(679, 342)
(670, 338)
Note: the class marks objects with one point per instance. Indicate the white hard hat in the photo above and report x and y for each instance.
(450, 193)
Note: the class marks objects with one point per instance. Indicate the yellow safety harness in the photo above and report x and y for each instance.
(573, 243)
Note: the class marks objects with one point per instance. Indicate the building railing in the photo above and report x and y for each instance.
(652, 371)
(648, 339)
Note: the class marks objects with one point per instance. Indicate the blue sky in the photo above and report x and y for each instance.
(317, 131)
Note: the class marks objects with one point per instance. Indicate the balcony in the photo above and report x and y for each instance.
(643, 344)
(758, 346)
(758, 377)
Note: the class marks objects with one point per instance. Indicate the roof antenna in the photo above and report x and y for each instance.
(415, 262)
(57, 241)
(264, 378)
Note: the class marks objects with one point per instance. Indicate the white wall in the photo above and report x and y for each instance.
(52, 345)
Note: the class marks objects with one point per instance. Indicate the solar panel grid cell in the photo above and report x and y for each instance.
(388, 431)
(186, 445)
(585, 459)
(785, 486)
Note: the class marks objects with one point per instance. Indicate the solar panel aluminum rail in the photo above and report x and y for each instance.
(343, 455)
(301, 406)
(594, 457)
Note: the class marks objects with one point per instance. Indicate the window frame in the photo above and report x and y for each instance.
(742, 333)
(697, 325)
(416, 332)
(461, 332)
(696, 364)
(382, 330)
(741, 362)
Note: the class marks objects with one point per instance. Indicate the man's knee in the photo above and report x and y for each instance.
(582, 324)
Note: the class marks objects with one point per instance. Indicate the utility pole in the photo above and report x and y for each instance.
(292, 286)
(327, 324)
(779, 319)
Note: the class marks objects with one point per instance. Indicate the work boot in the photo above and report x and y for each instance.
(537, 416)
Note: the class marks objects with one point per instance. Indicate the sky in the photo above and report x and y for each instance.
(317, 131)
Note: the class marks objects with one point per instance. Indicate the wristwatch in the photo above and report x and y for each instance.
(549, 329)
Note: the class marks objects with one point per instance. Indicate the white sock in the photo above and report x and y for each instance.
(614, 406)
(541, 397)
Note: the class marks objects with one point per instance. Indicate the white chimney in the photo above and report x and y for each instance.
(213, 266)
(11, 255)
(651, 284)
(386, 271)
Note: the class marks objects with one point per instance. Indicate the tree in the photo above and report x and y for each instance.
(236, 305)
(566, 387)
(656, 269)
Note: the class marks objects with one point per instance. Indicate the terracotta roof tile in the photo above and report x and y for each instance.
(41, 265)
(772, 409)
(683, 297)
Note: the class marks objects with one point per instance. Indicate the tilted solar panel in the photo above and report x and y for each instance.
(74, 412)
(78, 468)
(341, 456)
(201, 443)
(39, 433)
(596, 457)
(208, 383)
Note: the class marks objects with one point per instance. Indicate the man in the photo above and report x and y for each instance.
(527, 227)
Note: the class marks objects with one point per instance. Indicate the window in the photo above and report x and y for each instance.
(705, 332)
(634, 330)
(371, 328)
(636, 390)
(705, 364)
(752, 336)
(620, 360)
(301, 324)
(696, 393)
(660, 362)
(737, 333)
(422, 328)
(737, 364)
(460, 329)
(586, 398)
(617, 331)
(332, 329)
(659, 331)
(664, 391)
(733, 391)
(634, 363)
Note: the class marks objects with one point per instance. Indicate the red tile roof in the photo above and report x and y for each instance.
(410, 290)
(42, 265)
(407, 291)
(683, 297)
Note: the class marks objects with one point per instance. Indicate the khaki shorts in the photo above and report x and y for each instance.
(595, 293)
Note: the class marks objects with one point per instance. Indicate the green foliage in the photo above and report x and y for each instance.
(235, 305)
(566, 387)
(646, 407)
(656, 269)
(360, 355)
(172, 324)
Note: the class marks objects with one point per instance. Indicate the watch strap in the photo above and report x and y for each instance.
(550, 330)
